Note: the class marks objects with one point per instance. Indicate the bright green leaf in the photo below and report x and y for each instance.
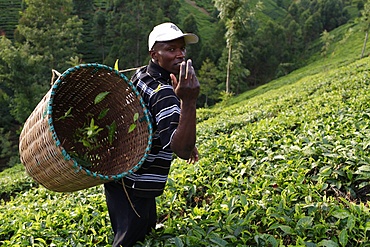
(103, 113)
(328, 243)
(305, 222)
(286, 229)
(132, 127)
(341, 214)
(116, 65)
(100, 97)
(136, 117)
(178, 242)
(343, 237)
(111, 131)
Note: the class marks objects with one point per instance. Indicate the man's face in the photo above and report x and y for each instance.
(169, 54)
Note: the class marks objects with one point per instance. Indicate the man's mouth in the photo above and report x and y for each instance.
(179, 62)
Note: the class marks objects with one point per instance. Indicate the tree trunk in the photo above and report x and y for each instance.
(364, 46)
(228, 71)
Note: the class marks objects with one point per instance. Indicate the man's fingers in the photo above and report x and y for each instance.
(183, 70)
(188, 65)
(189, 69)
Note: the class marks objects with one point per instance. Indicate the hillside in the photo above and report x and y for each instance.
(284, 164)
(9, 18)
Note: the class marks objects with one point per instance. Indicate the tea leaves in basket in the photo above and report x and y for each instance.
(103, 113)
(133, 125)
(67, 114)
(90, 133)
(111, 130)
(100, 97)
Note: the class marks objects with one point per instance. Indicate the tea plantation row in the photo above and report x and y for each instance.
(288, 167)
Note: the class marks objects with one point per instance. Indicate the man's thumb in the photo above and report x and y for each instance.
(174, 81)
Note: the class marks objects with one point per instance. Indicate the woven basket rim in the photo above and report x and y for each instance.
(65, 154)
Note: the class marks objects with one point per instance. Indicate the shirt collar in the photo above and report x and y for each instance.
(158, 72)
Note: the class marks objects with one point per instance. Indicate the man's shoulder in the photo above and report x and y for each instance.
(139, 73)
(143, 77)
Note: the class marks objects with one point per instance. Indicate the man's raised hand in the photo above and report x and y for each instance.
(187, 87)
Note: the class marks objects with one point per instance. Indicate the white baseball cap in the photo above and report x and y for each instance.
(168, 31)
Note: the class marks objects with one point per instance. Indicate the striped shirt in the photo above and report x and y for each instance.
(154, 85)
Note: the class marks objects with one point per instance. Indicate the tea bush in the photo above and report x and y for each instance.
(287, 167)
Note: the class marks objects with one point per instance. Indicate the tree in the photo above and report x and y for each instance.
(208, 77)
(365, 19)
(266, 56)
(20, 75)
(128, 28)
(51, 31)
(235, 14)
(312, 27)
(19, 93)
(332, 14)
(47, 37)
(190, 26)
(326, 39)
(99, 33)
(84, 9)
(294, 39)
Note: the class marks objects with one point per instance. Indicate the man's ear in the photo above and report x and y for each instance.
(153, 55)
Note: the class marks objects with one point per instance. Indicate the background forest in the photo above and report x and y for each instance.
(243, 44)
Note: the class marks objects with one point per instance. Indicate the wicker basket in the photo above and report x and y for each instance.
(48, 137)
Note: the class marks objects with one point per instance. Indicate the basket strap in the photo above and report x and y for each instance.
(128, 197)
(55, 76)
(131, 69)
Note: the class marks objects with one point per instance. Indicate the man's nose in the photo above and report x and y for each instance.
(181, 53)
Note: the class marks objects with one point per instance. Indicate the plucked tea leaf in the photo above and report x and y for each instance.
(111, 130)
(100, 97)
(132, 127)
(116, 65)
(136, 117)
(66, 114)
(103, 113)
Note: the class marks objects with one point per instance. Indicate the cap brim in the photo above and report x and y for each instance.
(191, 38)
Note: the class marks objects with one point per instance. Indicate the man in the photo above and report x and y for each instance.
(171, 102)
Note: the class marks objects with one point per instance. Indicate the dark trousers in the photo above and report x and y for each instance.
(129, 226)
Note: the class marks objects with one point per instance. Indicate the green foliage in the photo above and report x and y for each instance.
(288, 166)
(9, 18)
(284, 164)
(14, 180)
(127, 33)
(52, 219)
(208, 77)
(85, 10)
(51, 30)
(327, 39)
(22, 91)
(46, 38)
